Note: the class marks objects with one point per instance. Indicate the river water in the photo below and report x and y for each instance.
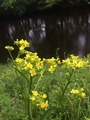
(68, 31)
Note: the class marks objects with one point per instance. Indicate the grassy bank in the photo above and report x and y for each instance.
(35, 89)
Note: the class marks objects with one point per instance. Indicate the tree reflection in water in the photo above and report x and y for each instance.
(46, 33)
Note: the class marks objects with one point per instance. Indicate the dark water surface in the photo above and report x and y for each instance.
(67, 30)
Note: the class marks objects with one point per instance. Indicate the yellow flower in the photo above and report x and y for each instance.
(35, 93)
(79, 92)
(32, 59)
(51, 60)
(38, 65)
(33, 98)
(52, 68)
(35, 55)
(18, 60)
(39, 100)
(44, 104)
(22, 44)
(21, 48)
(29, 65)
(82, 89)
(74, 91)
(33, 72)
(83, 94)
(27, 56)
(10, 48)
(44, 96)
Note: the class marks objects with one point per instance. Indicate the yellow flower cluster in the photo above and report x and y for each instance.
(9, 48)
(39, 100)
(74, 62)
(52, 64)
(78, 92)
(22, 44)
(31, 63)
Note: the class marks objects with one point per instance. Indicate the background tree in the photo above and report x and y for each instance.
(23, 6)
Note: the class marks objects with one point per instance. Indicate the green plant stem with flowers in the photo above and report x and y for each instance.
(33, 66)
(29, 86)
(31, 70)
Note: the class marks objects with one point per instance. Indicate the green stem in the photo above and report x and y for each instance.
(30, 85)
(10, 55)
(28, 109)
(22, 74)
(79, 109)
(69, 81)
(31, 117)
(29, 102)
(39, 80)
(65, 88)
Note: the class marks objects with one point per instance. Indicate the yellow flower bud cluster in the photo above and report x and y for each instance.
(51, 64)
(74, 62)
(22, 44)
(39, 100)
(9, 48)
(79, 92)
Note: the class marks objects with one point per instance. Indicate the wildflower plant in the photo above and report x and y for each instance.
(68, 102)
(80, 92)
(51, 89)
(39, 100)
(74, 62)
(29, 67)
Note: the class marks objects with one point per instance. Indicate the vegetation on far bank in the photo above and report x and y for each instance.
(20, 7)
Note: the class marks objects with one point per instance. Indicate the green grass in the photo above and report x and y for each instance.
(68, 107)
(10, 104)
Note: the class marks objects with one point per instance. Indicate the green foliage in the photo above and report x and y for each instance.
(10, 104)
(62, 104)
(17, 6)
(30, 92)
(8, 3)
(44, 4)
(23, 6)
